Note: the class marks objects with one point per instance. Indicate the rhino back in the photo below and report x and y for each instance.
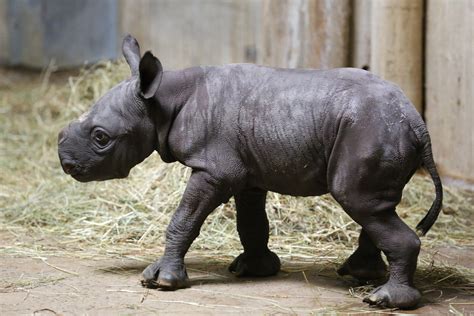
(277, 126)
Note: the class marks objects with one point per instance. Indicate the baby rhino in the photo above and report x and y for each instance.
(245, 130)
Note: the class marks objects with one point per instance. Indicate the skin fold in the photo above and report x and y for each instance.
(246, 130)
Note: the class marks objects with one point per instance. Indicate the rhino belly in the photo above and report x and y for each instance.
(292, 178)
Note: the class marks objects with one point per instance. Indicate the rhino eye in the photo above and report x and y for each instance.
(101, 138)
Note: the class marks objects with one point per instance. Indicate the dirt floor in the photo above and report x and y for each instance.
(51, 285)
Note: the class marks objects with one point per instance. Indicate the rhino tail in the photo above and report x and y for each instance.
(427, 158)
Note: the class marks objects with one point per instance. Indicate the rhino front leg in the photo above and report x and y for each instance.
(202, 195)
(252, 225)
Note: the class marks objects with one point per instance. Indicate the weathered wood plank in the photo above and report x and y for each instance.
(449, 85)
(185, 32)
(361, 34)
(285, 33)
(388, 37)
(305, 33)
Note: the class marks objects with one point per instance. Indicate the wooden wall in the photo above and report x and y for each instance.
(283, 33)
(304, 33)
(388, 38)
(186, 33)
(449, 85)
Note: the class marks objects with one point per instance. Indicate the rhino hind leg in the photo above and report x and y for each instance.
(252, 225)
(367, 171)
(256, 265)
(395, 239)
(401, 246)
(366, 262)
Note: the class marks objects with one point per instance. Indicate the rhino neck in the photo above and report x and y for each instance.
(176, 89)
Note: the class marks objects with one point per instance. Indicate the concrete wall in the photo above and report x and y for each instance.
(4, 37)
(70, 32)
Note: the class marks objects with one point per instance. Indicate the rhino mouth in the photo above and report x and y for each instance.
(82, 177)
(76, 171)
(87, 177)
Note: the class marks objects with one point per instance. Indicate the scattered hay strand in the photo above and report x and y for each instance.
(45, 261)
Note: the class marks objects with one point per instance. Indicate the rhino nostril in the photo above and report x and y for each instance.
(68, 167)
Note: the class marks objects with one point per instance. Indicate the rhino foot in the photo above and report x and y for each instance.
(259, 265)
(364, 268)
(395, 295)
(167, 276)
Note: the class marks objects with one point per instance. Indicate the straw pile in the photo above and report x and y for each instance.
(129, 217)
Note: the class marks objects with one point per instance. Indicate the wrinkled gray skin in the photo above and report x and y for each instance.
(246, 130)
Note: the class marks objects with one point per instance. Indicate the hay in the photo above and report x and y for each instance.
(27, 283)
(128, 217)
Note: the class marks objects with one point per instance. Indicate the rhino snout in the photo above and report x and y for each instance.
(69, 166)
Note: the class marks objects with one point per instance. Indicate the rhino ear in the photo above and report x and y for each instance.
(131, 52)
(151, 72)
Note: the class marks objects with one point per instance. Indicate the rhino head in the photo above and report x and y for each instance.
(119, 130)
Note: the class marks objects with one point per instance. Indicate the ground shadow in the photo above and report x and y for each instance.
(204, 271)
(437, 283)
